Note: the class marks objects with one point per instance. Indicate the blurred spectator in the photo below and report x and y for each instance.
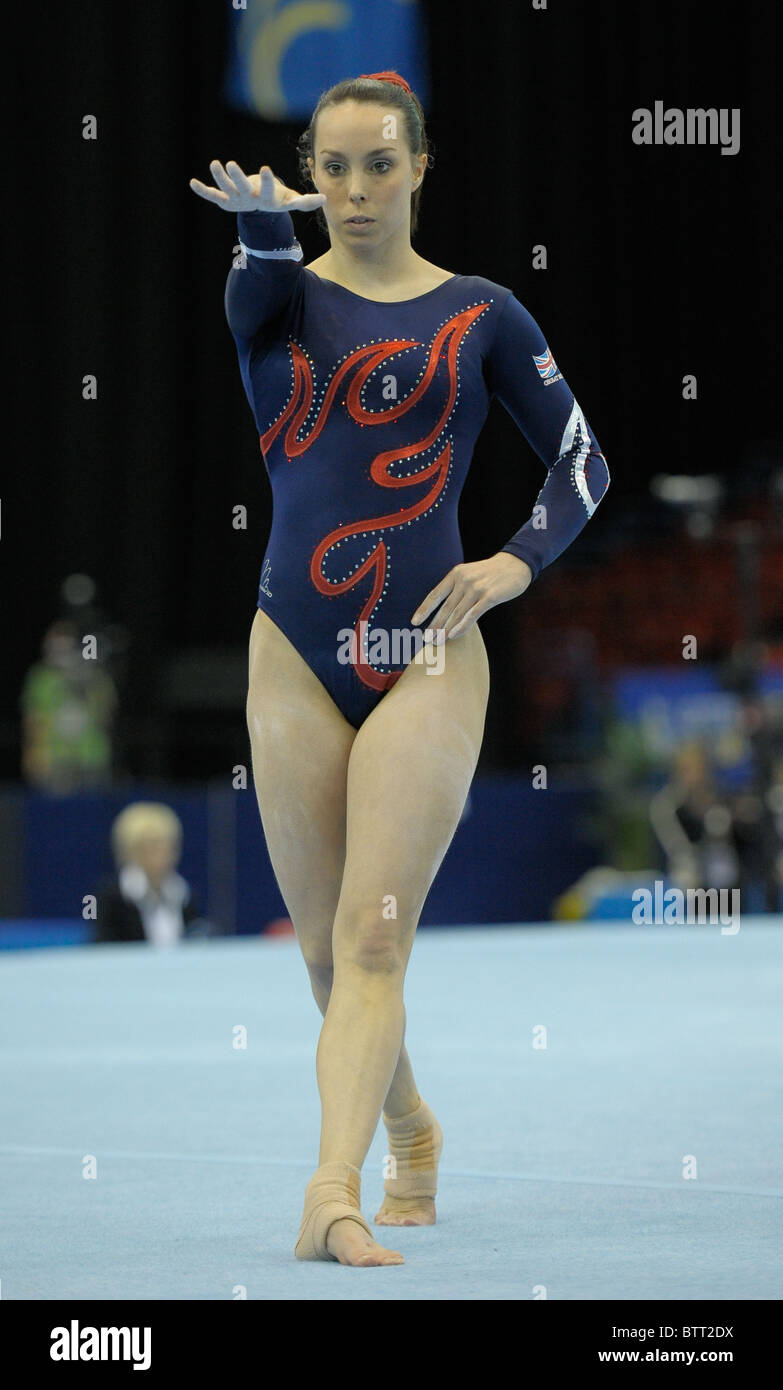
(758, 821)
(775, 801)
(147, 899)
(68, 704)
(694, 824)
(620, 822)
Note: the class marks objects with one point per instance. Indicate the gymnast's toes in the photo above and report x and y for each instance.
(349, 1244)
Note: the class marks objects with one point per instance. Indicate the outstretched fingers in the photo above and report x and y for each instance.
(239, 179)
(222, 179)
(289, 200)
(305, 202)
(262, 192)
(213, 195)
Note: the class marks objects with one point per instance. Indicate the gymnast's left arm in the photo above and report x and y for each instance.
(520, 370)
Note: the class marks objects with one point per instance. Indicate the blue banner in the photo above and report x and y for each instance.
(674, 705)
(284, 53)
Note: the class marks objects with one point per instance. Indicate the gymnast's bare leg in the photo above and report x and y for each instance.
(351, 818)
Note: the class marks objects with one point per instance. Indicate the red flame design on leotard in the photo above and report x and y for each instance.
(296, 412)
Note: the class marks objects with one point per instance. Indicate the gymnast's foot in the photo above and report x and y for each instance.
(349, 1244)
(406, 1211)
(415, 1144)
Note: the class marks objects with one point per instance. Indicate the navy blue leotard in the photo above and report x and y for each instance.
(367, 415)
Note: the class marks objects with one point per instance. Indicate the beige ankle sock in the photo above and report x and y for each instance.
(332, 1194)
(415, 1141)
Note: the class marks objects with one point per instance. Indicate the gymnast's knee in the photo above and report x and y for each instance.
(368, 943)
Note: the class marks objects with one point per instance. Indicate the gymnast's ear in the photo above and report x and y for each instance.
(421, 161)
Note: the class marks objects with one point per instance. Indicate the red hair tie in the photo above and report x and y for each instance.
(387, 77)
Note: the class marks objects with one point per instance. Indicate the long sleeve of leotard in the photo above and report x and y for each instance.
(259, 285)
(520, 370)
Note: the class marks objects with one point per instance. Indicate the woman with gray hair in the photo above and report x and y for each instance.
(147, 899)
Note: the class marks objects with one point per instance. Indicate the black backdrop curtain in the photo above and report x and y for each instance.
(661, 261)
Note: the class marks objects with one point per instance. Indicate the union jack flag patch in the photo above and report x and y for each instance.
(547, 367)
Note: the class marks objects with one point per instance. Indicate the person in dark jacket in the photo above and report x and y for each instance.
(147, 900)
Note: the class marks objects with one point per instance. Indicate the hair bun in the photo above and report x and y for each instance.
(387, 77)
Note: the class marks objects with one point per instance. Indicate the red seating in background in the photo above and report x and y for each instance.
(640, 604)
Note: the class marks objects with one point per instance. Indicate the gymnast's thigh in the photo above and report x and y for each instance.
(409, 775)
(300, 745)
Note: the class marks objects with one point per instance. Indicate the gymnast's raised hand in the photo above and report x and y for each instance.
(262, 192)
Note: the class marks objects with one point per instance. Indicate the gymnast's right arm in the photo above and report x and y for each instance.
(272, 254)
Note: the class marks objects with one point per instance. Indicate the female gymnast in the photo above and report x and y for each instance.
(369, 374)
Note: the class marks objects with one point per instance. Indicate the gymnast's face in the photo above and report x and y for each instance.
(363, 165)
